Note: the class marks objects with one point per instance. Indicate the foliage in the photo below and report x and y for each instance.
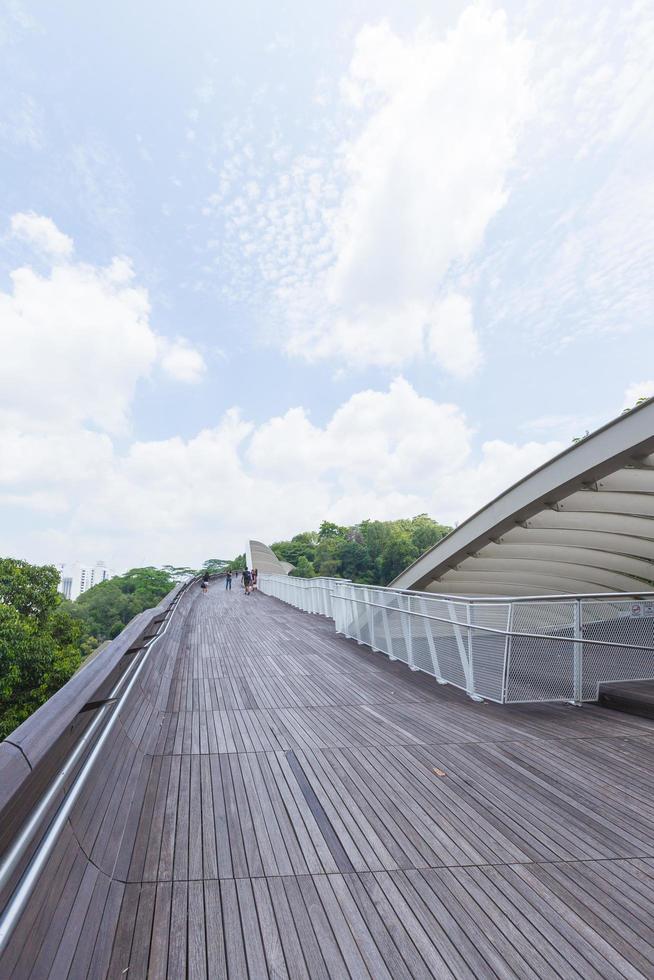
(108, 607)
(304, 568)
(372, 552)
(179, 573)
(214, 566)
(39, 640)
(302, 545)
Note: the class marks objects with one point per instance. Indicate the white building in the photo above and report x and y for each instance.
(75, 578)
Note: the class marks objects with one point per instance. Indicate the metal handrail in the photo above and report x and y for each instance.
(12, 858)
(483, 600)
(480, 600)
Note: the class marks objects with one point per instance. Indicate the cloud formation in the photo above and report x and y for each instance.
(382, 454)
(77, 340)
(180, 361)
(361, 254)
(42, 234)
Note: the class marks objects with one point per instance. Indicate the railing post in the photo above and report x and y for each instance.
(371, 620)
(471, 658)
(387, 635)
(578, 655)
(465, 648)
(507, 654)
(408, 634)
(432, 646)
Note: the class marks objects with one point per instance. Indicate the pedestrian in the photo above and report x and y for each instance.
(255, 577)
(247, 581)
(228, 581)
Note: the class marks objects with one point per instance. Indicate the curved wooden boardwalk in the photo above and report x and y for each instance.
(281, 802)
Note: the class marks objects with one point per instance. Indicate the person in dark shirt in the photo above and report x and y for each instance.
(247, 581)
(228, 580)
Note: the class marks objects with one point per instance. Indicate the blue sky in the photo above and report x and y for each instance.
(262, 265)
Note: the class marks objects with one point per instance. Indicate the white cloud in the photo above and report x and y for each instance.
(452, 338)
(76, 343)
(181, 361)
(359, 253)
(636, 390)
(42, 234)
(383, 439)
(428, 170)
(574, 260)
(77, 340)
(382, 454)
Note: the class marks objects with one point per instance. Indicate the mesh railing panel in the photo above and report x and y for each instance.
(541, 669)
(489, 650)
(484, 647)
(629, 622)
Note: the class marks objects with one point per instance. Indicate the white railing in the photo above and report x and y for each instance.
(312, 595)
(539, 648)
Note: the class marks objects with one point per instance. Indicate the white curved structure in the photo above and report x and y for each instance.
(258, 555)
(581, 523)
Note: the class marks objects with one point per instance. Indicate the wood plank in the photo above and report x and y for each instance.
(273, 806)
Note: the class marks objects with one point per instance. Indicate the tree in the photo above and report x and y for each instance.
(372, 552)
(425, 532)
(356, 563)
(215, 566)
(398, 553)
(302, 545)
(329, 530)
(304, 568)
(108, 607)
(39, 640)
(30, 589)
(178, 573)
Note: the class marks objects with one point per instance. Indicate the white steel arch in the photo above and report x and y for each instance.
(583, 522)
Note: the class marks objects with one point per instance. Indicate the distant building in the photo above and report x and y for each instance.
(75, 578)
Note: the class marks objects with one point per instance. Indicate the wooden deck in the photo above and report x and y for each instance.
(280, 802)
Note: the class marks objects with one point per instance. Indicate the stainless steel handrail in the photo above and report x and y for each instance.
(483, 600)
(14, 907)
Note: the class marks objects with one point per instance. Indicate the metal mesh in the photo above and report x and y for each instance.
(623, 622)
(541, 669)
(489, 650)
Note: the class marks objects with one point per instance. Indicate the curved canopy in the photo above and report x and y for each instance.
(260, 556)
(583, 522)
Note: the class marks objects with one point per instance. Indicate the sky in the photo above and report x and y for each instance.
(263, 265)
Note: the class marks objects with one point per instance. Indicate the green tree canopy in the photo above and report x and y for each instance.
(108, 607)
(39, 640)
(372, 552)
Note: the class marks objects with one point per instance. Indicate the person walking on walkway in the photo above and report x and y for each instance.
(247, 581)
(228, 581)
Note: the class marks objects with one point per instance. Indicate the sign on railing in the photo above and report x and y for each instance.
(504, 650)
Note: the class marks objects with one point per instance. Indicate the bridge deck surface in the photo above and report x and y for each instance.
(281, 802)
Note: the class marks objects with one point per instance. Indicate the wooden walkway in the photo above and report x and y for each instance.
(280, 802)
